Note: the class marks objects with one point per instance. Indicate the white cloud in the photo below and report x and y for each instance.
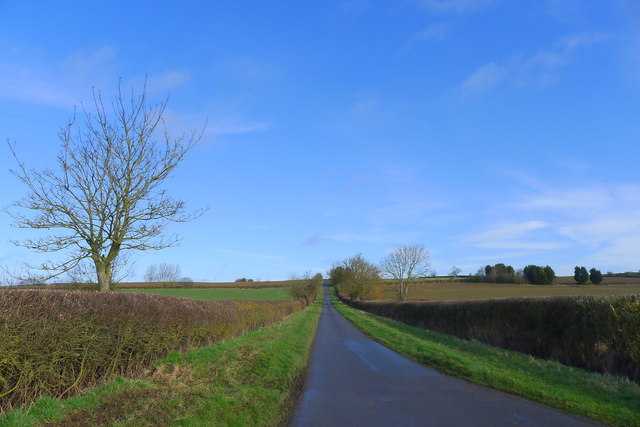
(538, 70)
(376, 236)
(216, 127)
(60, 84)
(575, 41)
(483, 79)
(237, 125)
(499, 256)
(599, 221)
(524, 245)
(620, 254)
(458, 6)
(518, 236)
(252, 255)
(435, 32)
(26, 85)
(167, 80)
(507, 231)
(86, 65)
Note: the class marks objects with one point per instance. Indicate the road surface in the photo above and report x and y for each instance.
(354, 381)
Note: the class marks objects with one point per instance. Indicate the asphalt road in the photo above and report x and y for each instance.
(354, 381)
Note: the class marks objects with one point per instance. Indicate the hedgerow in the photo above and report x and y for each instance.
(56, 343)
(601, 334)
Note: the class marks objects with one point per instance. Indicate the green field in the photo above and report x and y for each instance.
(220, 294)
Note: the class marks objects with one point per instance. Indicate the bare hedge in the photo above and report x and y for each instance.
(600, 334)
(55, 342)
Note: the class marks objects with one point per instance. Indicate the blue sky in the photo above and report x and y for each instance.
(489, 131)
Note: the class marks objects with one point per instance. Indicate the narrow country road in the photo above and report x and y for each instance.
(354, 381)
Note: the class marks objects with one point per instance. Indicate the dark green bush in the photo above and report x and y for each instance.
(537, 275)
(56, 342)
(595, 276)
(581, 275)
(499, 273)
(597, 333)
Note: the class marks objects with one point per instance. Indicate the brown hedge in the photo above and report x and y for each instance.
(601, 334)
(55, 342)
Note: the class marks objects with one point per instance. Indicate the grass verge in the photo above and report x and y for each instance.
(251, 380)
(601, 397)
(270, 294)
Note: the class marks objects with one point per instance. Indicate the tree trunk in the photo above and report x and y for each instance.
(104, 276)
(403, 290)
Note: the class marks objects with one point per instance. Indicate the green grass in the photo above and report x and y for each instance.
(220, 294)
(252, 380)
(604, 398)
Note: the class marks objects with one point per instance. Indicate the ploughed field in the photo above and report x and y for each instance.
(218, 294)
(453, 291)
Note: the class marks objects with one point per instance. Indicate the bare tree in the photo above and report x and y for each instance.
(404, 264)
(151, 275)
(84, 272)
(168, 273)
(455, 271)
(105, 196)
(165, 273)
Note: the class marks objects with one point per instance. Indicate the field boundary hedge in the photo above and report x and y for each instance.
(56, 343)
(600, 334)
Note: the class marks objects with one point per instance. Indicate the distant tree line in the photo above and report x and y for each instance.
(630, 274)
(501, 273)
(165, 273)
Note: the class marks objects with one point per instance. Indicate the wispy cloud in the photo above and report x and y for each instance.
(507, 232)
(521, 236)
(237, 125)
(483, 79)
(216, 126)
(599, 220)
(312, 241)
(168, 80)
(59, 84)
(377, 236)
(68, 81)
(435, 32)
(252, 255)
(538, 70)
(247, 70)
(457, 6)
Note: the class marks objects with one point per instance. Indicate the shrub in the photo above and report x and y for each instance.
(57, 342)
(597, 333)
(537, 275)
(359, 278)
(499, 273)
(580, 275)
(305, 286)
(337, 274)
(595, 276)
